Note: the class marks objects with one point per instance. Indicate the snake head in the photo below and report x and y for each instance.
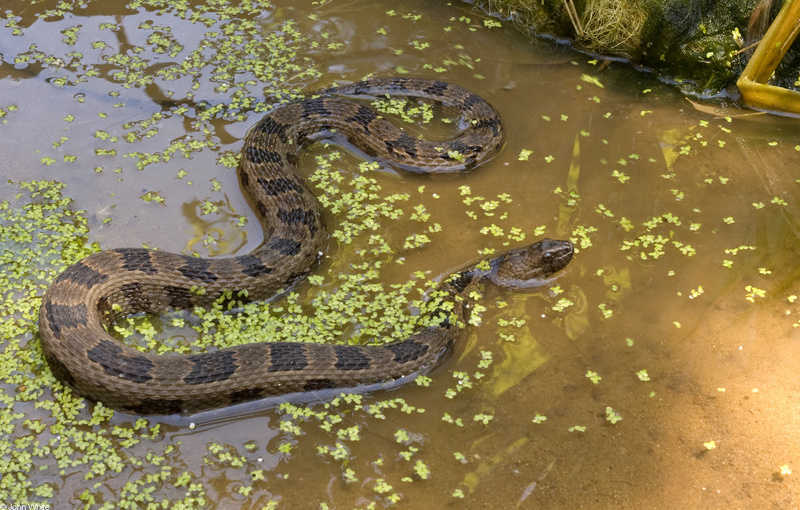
(529, 265)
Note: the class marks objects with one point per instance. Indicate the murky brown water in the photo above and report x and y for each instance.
(720, 367)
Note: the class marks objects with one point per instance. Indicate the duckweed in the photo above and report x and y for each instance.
(593, 376)
(41, 226)
(612, 416)
(539, 418)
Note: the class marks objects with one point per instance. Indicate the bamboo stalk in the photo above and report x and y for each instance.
(772, 48)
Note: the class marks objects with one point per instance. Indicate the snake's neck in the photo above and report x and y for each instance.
(460, 291)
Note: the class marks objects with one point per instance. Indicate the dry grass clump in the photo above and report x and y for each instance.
(613, 26)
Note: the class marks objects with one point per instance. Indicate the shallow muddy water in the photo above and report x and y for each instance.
(658, 370)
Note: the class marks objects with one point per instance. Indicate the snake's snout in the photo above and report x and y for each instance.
(555, 255)
(529, 265)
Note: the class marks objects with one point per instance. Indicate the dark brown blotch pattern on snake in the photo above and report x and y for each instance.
(295, 216)
(197, 269)
(179, 298)
(138, 260)
(403, 147)
(108, 285)
(64, 317)
(253, 267)
(137, 297)
(286, 357)
(109, 355)
(288, 247)
(83, 275)
(348, 358)
(363, 117)
(211, 366)
(275, 187)
(407, 351)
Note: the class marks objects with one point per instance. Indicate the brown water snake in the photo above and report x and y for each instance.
(108, 285)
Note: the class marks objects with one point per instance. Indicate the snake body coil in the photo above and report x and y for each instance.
(103, 287)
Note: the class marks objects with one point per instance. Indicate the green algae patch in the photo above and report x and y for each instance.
(46, 431)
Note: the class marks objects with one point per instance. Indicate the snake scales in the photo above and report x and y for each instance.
(103, 287)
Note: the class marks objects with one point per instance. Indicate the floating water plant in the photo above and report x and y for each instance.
(593, 376)
(612, 416)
